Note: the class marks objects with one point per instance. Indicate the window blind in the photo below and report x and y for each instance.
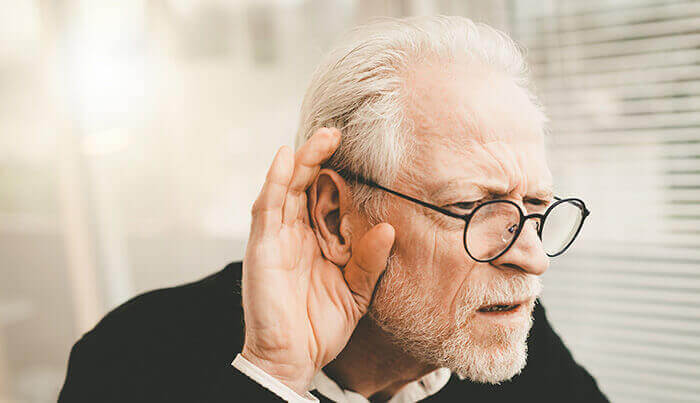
(620, 81)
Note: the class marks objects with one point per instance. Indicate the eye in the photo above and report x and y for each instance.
(537, 202)
(466, 206)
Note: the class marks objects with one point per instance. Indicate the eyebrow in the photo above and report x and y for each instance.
(543, 194)
(479, 189)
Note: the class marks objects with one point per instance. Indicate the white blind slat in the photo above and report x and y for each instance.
(645, 90)
(611, 33)
(667, 11)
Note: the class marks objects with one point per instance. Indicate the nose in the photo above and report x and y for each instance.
(526, 254)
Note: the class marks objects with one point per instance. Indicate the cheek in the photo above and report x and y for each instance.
(436, 257)
(415, 245)
(449, 251)
(452, 269)
(429, 246)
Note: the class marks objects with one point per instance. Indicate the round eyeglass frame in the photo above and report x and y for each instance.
(521, 223)
(467, 217)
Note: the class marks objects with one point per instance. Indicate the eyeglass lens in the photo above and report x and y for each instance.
(561, 226)
(491, 229)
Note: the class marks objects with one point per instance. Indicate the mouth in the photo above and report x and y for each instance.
(500, 308)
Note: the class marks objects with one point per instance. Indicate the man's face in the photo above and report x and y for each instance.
(479, 138)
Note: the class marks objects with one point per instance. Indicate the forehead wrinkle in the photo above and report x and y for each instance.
(481, 173)
(542, 193)
(506, 166)
(484, 187)
(539, 186)
(494, 170)
(432, 189)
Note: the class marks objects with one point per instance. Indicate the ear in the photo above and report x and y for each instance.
(328, 198)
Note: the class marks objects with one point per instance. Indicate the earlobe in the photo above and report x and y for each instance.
(328, 216)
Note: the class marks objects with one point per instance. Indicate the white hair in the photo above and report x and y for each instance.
(359, 88)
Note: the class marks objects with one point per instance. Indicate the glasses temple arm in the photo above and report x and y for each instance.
(433, 207)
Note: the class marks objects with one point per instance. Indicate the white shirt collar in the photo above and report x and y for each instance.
(412, 392)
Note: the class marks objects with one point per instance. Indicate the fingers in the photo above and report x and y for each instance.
(307, 163)
(367, 263)
(282, 198)
(267, 209)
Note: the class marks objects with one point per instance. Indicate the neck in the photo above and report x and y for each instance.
(373, 366)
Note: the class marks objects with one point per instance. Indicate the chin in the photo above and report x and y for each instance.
(489, 364)
(489, 351)
(482, 352)
(482, 348)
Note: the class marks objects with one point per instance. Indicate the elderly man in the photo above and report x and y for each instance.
(395, 257)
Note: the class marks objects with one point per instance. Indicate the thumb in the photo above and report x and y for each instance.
(368, 261)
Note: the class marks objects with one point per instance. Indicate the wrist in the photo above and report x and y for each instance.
(295, 378)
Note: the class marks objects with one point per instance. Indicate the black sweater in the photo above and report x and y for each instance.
(177, 344)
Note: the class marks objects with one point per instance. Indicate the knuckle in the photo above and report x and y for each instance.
(257, 208)
(261, 209)
(295, 190)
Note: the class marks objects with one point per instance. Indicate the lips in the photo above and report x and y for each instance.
(499, 308)
(503, 306)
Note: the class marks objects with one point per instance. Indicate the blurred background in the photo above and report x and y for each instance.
(135, 134)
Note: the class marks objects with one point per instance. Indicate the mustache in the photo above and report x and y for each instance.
(503, 288)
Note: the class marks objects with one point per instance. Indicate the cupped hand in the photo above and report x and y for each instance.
(299, 308)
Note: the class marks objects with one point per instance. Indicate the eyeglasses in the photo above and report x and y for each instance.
(494, 226)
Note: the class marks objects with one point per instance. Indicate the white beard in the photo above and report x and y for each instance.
(476, 349)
